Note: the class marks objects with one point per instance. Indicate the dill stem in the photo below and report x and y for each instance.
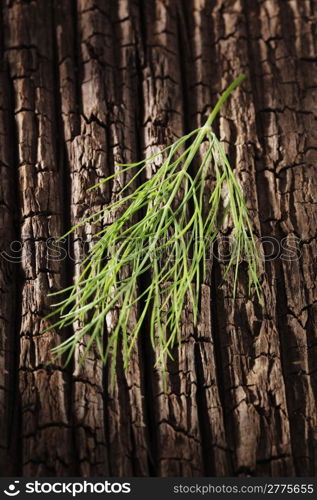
(222, 99)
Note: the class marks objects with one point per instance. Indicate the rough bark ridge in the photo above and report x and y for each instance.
(85, 83)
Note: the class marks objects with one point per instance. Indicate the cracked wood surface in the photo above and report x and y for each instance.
(86, 83)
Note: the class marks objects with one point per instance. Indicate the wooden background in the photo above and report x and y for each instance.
(85, 83)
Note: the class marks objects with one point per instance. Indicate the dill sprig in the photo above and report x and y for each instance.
(154, 236)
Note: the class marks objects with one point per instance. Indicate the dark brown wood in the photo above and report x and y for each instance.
(85, 84)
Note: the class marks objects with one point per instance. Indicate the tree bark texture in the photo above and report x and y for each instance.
(85, 84)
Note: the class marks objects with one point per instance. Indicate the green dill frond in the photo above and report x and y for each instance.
(153, 236)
